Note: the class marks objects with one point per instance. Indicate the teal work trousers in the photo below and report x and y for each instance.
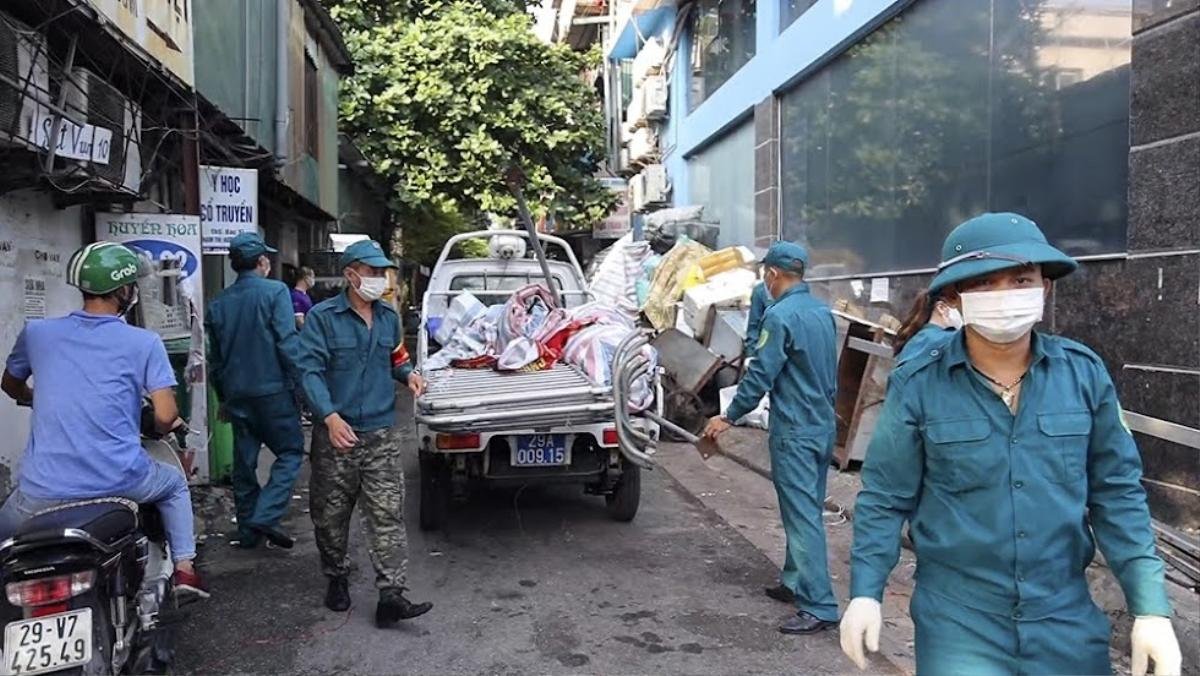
(274, 421)
(799, 468)
(952, 639)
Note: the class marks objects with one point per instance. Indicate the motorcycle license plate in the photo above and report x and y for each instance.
(541, 450)
(48, 643)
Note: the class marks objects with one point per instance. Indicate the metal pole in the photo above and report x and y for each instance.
(190, 146)
(514, 178)
(56, 123)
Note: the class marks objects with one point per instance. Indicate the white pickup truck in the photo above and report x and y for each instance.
(486, 427)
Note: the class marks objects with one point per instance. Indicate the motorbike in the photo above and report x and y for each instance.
(89, 587)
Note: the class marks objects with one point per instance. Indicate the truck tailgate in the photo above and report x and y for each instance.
(483, 399)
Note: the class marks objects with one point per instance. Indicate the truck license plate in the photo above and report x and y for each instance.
(48, 643)
(540, 450)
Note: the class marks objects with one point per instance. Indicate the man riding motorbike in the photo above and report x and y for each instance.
(92, 371)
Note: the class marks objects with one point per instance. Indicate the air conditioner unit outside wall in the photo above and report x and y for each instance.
(23, 61)
(115, 127)
(655, 184)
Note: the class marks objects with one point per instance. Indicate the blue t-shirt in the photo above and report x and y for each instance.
(90, 373)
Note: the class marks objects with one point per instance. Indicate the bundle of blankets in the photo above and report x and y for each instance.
(529, 332)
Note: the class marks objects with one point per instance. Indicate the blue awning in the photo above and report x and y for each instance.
(648, 23)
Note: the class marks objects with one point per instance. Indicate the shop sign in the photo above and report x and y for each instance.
(228, 206)
(168, 251)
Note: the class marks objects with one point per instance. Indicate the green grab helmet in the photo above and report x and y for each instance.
(102, 267)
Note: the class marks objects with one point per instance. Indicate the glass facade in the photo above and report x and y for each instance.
(723, 40)
(721, 177)
(954, 108)
(790, 10)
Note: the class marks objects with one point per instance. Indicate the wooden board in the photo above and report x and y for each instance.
(855, 388)
(866, 410)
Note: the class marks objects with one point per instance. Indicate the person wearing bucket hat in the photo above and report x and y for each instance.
(1006, 452)
(92, 370)
(253, 350)
(795, 360)
(353, 349)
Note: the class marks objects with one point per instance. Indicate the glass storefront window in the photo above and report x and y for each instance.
(954, 108)
(723, 40)
(721, 177)
(790, 10)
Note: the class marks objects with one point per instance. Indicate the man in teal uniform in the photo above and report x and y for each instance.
(353, 352)
(759, 300)
(1006, 452)
(796, 362)
(253, 350)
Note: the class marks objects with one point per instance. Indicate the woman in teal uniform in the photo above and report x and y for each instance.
(930, 323)
(1006, 452)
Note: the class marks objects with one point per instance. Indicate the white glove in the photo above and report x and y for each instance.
(1154, 639)
(861, 623)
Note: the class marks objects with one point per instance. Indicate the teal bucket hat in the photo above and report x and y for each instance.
(367, 252)
(248, 246)
(991, 242)
(786, 256)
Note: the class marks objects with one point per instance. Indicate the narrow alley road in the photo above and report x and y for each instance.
(525, 582)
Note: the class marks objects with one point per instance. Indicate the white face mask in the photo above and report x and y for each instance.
(1003, 316)
(371, 288)
(951, 314)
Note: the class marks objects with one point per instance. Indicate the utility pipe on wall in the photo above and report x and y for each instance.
(283, 31)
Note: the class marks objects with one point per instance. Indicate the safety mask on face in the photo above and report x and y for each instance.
(371, 288)
(766, 281)
(310, 281)
(951, 314)
(1003, 316)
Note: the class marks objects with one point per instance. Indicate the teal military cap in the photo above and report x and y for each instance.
(248, 245)
(996, 241)
(786, 256)
(367, 252)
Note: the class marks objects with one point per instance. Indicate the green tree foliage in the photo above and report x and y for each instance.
(446, 95)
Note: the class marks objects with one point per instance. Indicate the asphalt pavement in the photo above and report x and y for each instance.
(526, 581)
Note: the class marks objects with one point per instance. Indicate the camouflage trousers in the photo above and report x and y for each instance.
(369, 474)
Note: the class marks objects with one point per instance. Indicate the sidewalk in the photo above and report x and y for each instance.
(743, 496)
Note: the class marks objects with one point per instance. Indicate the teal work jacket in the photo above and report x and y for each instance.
(253, 344)
(1005, 510)
(350, 369)
(795, 360)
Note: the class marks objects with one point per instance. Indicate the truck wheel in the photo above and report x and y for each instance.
(435, 492)
(626, 495)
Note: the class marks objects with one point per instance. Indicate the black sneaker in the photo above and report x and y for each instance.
(337, 598)
(393, 607)
(780, 593)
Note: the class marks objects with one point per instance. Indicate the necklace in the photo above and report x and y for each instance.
(1007, 393)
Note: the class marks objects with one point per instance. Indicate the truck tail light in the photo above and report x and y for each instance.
(450, 442)
(610, 437)
(47, 591)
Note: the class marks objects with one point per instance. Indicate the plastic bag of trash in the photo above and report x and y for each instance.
(464, 308)
(759, 417)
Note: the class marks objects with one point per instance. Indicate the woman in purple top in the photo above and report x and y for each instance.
(301, 302)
